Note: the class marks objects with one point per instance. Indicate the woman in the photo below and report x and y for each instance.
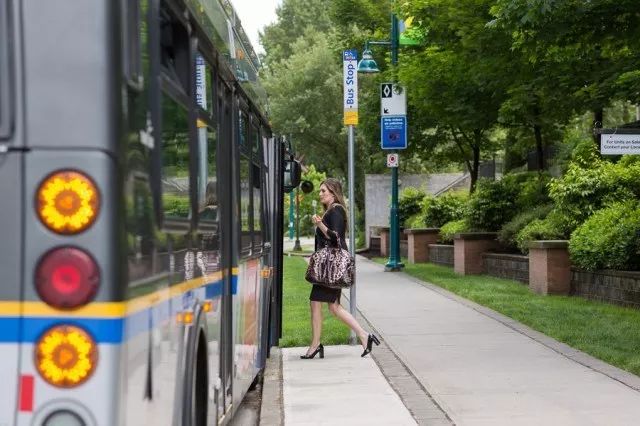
(333, 220)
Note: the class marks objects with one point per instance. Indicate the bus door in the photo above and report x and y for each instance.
(227, 238)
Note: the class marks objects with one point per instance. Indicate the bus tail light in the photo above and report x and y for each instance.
(66, 356)
(67, 202)
(67, 278)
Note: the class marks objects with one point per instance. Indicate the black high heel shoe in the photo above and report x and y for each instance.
(370, 341)
(319, 350)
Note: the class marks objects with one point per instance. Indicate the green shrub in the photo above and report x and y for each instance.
(553, 227)
(415, 221)
(609, 239)
(585, 154)
(508, 233)
(533, 191)
(409, 203)
(581, 192)
(450, 229)
(492, 205)
(445, 208)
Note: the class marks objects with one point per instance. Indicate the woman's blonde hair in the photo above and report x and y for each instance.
(335, 188)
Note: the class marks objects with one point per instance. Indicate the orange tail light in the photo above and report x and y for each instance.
(67, 202)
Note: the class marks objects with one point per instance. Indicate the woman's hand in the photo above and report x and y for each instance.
(316, 219)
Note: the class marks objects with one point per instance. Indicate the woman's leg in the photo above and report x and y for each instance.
(316, 324)
(346, 317)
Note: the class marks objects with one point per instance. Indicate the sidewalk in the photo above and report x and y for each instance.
(442, 352)
(485, 369)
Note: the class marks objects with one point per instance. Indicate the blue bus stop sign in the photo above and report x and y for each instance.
(393, 131)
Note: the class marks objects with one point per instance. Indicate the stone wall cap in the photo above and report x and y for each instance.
(511, 256)
(422, 231)
(476, 236)
(549, 244)
(609, 272)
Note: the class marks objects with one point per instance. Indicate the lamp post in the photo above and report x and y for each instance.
(368, 65)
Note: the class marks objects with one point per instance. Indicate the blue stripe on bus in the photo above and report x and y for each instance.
(102, 330)
(106, 330)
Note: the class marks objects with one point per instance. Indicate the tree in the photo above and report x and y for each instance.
(296, 19)
(595, 45)
(457, 83)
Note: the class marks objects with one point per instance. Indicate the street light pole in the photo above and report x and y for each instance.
(394, 263)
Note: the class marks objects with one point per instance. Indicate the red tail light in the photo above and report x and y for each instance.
(67, 278)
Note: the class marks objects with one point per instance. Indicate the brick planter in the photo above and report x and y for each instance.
(384, 241)
(468, 249)
(441, 254)
(509, 266)
(549, 267)
(418, 241)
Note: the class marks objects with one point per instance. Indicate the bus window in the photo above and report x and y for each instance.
(174, 43)
(5, 73)
(257, 188)
(207, 180)
(245, 207)
(243, 129)
(132, 30)
(257, 206)
(175, 160)
(204, 85)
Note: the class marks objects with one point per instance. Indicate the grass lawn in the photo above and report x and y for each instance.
(608, 332)
(296, 327)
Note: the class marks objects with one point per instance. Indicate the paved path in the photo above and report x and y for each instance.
(484, 369)
(341, 389)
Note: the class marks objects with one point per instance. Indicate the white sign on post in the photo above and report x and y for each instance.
(350, 84)
(618, 144)
(393, 99)
(392, 160)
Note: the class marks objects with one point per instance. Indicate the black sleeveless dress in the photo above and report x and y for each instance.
(335, 219)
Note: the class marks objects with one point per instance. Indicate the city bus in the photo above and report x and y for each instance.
(141, 213)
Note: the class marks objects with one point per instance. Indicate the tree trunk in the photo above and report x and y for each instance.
(475, 168)
(537, 130)
(598, 117)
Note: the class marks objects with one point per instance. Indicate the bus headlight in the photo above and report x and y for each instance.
(67, 202)
(66, 356)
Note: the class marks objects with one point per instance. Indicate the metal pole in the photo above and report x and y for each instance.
(352, 222)
(394, 264)
(296, 246)
(290, 215)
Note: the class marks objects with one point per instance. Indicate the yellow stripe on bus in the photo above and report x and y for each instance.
(106, 309)
(41, 309)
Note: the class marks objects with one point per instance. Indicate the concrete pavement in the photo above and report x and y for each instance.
(485, 369)
(444, 354)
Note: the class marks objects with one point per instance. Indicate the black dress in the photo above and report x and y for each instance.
(335, 220)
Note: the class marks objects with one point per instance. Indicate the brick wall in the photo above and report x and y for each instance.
(441, 254)
(619, 287)
(404, 251)
(509, 266)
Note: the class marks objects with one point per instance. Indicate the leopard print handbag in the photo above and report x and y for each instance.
(332, 267)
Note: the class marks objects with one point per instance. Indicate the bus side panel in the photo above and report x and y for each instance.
(245, 315)
(10, 289)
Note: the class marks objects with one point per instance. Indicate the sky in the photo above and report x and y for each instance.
(254, 15)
